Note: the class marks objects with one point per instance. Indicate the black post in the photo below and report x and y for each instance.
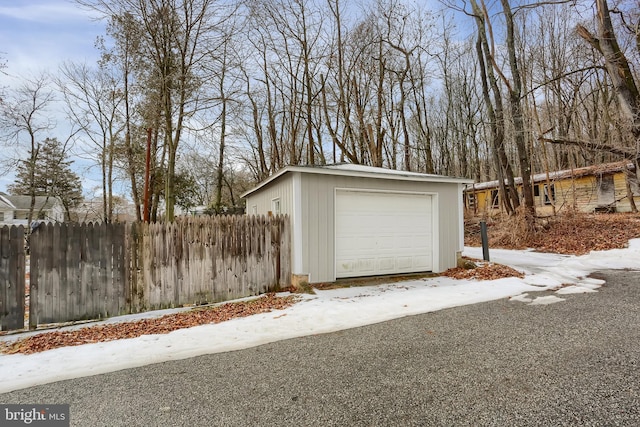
(485, 240)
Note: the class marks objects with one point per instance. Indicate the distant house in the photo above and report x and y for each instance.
(14, 210)
(596, 188)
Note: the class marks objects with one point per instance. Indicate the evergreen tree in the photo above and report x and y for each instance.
(50, 175)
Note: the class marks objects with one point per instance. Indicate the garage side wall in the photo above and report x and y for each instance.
(261, 202)
(318, 208)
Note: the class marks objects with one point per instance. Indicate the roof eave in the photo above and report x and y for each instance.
(359, 174)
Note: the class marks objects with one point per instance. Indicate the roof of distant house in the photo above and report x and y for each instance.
(24, 202)
(563, 174)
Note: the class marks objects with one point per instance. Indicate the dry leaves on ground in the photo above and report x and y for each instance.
(162, 325)
(484, 271)
(585, 233)
(570, 234)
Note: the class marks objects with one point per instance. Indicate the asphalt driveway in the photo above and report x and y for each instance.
(502, 363)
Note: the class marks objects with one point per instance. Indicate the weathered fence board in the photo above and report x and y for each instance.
(193, 261)
(93, 271)
(77, 272)
(12, 278)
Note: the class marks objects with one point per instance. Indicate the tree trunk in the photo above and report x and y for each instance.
(511, 200)
(220, 172)
(515, 91)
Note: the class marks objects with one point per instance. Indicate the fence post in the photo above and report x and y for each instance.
(485, 240)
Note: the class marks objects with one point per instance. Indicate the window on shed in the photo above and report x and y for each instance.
(471, 200)
(275, 206)
(495, 200)
(606, 190)
(254, 210)
(1, 216)
(536, 191)
(549, 194)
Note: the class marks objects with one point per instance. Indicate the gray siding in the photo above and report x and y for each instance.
(281, 188)
(318, 258)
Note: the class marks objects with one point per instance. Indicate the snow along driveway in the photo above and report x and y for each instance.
(327, 311)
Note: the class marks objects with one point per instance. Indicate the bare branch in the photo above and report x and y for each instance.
(563, 76)
(593, 146)
(590, 38)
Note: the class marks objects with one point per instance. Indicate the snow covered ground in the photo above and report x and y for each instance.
(327, 311)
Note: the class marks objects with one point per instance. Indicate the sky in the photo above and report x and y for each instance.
(37, 36)
(326, 311)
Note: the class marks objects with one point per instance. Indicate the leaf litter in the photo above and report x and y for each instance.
(163, 325)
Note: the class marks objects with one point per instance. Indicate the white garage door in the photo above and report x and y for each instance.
(383, 233)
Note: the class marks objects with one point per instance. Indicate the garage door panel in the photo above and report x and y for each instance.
(404, 262)
(386, 264)
(367, 265)
(365, 243)
(345, 267)
(422, 263)
(382, 233)
(383, 243)
(405, 242)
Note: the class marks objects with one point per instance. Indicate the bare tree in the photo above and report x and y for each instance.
(124, 57)
(95, 99)
(495, 111)
(456, 115)
(174, 38)
(288, 35)
(26, 116)
(515, 100)
(226, 69)
(396, 34)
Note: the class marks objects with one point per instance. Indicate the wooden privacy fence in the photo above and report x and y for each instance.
(201, 260)
(12, 278)
(78, 271)
(89, 271)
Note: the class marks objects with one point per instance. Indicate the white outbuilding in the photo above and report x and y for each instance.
(353, 221)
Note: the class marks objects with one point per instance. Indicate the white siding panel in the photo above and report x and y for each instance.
(263, 200)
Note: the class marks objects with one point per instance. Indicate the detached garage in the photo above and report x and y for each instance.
(353, 221)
